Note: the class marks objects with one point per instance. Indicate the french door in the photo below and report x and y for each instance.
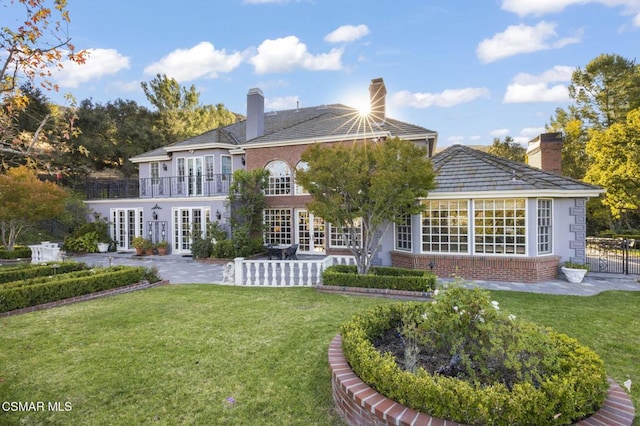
(194, 176)
(310, 234)
(126, 225)
(187, 220)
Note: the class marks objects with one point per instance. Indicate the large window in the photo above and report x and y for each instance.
(209, 169)
(403, 233)
(336, 238)
(155, 172)
(279, 179)
(299, 189)
(225, 165)
(500, 226)
(278, 226)
(445, 226)
(544, 226)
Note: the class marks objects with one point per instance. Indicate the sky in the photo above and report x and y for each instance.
(471, 70)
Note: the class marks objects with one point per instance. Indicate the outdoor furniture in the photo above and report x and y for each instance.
(290, 252)
(276, 251)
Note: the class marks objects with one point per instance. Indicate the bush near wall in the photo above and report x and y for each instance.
(15, 296)
(379, 277)
(17, 253)
(26, 271)
(575, 391)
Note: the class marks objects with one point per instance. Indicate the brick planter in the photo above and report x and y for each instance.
(359, 404)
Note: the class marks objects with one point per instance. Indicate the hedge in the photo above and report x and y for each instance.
(17, 253)
(562, 398)
(379, 277)
(66, 287)
(26, 271)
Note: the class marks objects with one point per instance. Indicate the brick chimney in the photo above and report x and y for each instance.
(545, 152)
(255, 114)
(378, 99)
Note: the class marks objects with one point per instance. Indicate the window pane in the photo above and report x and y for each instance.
(445, 226)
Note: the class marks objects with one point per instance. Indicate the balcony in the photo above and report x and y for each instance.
(162, 187)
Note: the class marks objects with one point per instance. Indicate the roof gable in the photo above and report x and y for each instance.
(463, 169)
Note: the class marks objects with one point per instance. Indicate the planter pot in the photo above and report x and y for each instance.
(574, 275)
(149, 251)
(162, 251)
(139, 251)
(103, 247)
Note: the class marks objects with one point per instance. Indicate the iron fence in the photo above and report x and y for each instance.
(613, 255)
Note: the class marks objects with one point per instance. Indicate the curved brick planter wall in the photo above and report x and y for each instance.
(358, 404)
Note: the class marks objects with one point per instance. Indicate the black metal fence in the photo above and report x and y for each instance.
(174, 186)
(614, 255)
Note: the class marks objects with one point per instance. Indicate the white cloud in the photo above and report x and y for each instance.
(522, 38)
(536, 88)
(347, 33)
(454, 140)
(528, 133)
(445, 99)
(500, 133)
(542, 7)
(100, 62)
(288, 53)
(281, 103)
(202, 60)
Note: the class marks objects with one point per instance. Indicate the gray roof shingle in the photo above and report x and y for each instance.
(463, 169)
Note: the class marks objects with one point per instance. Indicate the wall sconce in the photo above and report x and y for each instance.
(218, 215)
(191, 151)
(244, 161)
(164, 167)
(155, 215)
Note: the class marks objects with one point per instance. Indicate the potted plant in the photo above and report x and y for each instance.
(140, 244)
(103, 247)
(162, 247)
(574, 272)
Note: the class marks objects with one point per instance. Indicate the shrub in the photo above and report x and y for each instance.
(16, 253)
(18, 296)
(26, 271)
(503, 371)
(379, 277)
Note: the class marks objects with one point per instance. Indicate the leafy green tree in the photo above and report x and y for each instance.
(247, 201)
(508, 149)
(616, 164)
(606, 90)
(362, 188)
(24, 201)
(180, 112)
(575, 160)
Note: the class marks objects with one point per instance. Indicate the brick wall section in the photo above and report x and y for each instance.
(360, 405)
(486, 268)
(111, 292)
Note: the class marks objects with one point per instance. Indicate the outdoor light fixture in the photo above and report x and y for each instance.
(155, 215)
(164, 167)
(218, 215)
(244, 161)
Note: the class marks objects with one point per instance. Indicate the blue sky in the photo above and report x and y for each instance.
(470, 70)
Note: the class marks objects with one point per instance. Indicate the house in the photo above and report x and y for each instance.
(488, 218)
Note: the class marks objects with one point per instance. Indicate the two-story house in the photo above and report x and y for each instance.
(488, 218)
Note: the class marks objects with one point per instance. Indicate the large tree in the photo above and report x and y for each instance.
(24, 201)
(28, 52)
(508, 149)
(575, 160)
(616, 164)
(180, 112)
(362, 188)
(606, 90)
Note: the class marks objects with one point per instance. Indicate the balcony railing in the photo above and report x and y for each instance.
(165, 187)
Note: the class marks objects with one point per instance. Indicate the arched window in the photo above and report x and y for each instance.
(279, 178)
(302, 165)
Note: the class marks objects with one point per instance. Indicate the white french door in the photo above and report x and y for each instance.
(187, 220)
(310, 235)
(126, 225)
(194, 176)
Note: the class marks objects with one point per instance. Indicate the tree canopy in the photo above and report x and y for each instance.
(24, 201)
(508, 149)
(360, 187)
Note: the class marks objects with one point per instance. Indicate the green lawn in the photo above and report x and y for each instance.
(175, 354)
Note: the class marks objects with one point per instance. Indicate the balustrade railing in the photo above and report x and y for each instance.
(284, 273)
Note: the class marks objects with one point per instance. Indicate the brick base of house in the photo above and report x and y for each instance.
(485, 268)
(358, 404)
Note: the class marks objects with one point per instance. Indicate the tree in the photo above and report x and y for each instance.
(24, 201)
(362, 188)
(181, 114)
(606, 90)
(508, 149)
(616, 164)
(30, 51)
(575, 160)
(247, 201)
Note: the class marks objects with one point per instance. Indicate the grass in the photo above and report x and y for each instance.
(175, 354)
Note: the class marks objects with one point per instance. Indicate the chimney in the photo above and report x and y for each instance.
(255, 114)
(545, 152)
(377, 97)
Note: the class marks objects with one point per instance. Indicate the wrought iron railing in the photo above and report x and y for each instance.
(169, 187)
